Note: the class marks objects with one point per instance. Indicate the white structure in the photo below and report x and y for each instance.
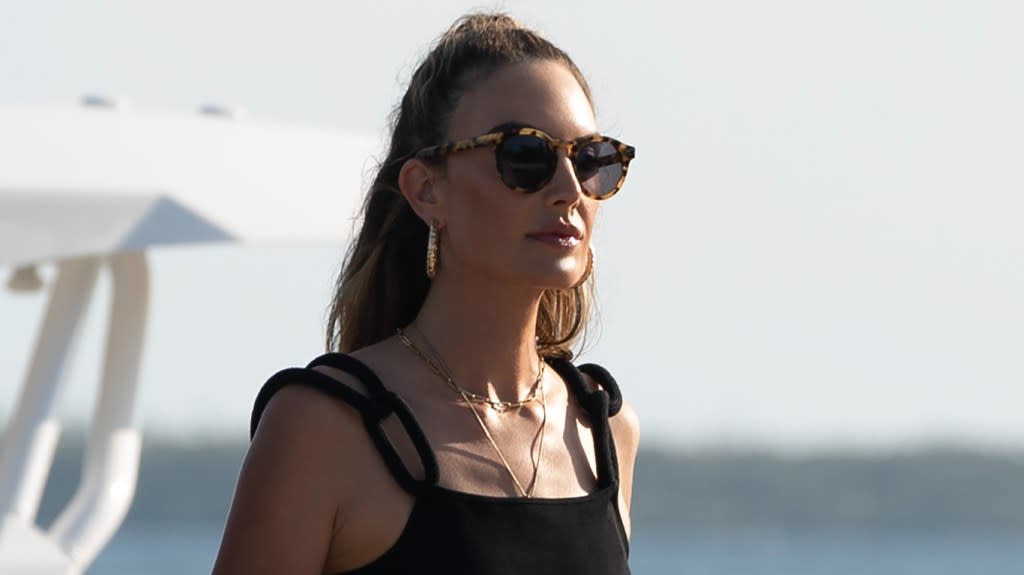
(97, 186)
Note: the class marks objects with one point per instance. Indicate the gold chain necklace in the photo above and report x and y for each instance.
(445, 374)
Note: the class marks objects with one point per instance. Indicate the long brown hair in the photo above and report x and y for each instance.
(382, 283)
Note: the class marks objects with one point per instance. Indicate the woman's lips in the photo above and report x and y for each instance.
(561, 234)
(561, 240)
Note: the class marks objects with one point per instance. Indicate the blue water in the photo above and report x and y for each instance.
(179, 549)
(831, 554)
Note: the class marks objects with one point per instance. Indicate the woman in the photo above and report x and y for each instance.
(451, 434)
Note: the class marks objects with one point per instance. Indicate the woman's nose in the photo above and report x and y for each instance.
(564, 186)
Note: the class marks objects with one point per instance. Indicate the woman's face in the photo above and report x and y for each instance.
(507, 235)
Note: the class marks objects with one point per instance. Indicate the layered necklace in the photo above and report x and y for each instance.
(437, 365)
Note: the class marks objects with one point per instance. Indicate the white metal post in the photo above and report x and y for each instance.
(32, 432)
(111, 462)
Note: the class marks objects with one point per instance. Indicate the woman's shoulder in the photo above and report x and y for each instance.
(328, 402)
(623, 419)
(313, 421)
(299, 394)
(299, 421)
(625, 430)
(307, 471)
(625, 427)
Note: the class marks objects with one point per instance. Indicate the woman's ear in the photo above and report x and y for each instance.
(418, 182)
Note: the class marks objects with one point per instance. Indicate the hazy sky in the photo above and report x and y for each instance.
(819, 241)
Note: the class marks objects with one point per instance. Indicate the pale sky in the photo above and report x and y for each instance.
(818, 242)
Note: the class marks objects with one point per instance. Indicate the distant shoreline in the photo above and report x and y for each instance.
(938, 488)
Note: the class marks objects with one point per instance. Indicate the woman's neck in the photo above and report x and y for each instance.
(485, 335)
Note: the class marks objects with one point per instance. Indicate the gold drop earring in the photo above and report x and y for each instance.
(432, 250)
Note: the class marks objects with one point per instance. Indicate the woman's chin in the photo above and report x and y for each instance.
(559, 281)
(549, 275)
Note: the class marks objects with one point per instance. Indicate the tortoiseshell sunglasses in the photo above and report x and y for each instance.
(527, 159)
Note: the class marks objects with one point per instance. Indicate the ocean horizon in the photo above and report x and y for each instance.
(726, 511)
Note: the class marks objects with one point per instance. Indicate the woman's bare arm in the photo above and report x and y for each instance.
(286, 502)
(625, 428)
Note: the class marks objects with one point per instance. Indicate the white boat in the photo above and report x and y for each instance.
(96, 186)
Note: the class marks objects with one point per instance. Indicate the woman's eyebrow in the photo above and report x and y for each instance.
(509, 126)
(512, 125)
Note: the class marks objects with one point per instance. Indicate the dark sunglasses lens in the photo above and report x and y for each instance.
(525, 162)
(598, 168)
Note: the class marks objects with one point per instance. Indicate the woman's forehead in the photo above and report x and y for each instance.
(544, 94)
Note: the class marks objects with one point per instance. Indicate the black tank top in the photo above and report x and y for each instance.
(461, 533)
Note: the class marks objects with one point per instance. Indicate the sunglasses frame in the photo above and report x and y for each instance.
(496, 137)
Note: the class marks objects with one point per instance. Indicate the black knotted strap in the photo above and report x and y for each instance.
(607, 382)
(309, 378)
(596, 403)
(386, 403)
(374, 408)
(611, 387)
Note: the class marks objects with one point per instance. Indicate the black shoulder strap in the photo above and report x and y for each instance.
(601, 376)
(597, 403)
(374, 408)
